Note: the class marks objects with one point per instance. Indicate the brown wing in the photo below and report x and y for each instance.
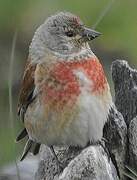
(27, 87)
(25, 98)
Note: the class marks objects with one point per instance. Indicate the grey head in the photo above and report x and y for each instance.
(63, 33)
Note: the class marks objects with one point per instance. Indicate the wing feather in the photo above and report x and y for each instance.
(27, 88)
(26, 94)
(25, 98)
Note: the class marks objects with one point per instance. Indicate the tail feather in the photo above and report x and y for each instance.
(36, 149)
(27, 148)
(22, 135)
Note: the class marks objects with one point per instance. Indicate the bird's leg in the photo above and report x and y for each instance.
(104, 140)
(59, 164)
(54, 154)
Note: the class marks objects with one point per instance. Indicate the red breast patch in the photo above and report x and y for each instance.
(64, 87)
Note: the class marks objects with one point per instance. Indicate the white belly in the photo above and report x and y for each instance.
(87, 125)
(91, 119)
(93, 113)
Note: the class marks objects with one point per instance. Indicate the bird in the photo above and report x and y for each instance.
(65, 98)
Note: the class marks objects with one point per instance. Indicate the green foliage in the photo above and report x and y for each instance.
(119, 26)
(131, 174)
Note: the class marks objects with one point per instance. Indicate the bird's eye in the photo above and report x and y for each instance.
(69, 33)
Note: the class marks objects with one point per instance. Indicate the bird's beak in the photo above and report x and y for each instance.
(90, 34)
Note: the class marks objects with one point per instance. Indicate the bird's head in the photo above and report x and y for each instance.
(64, 33)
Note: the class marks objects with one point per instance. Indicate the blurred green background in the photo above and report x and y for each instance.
(119, 41)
